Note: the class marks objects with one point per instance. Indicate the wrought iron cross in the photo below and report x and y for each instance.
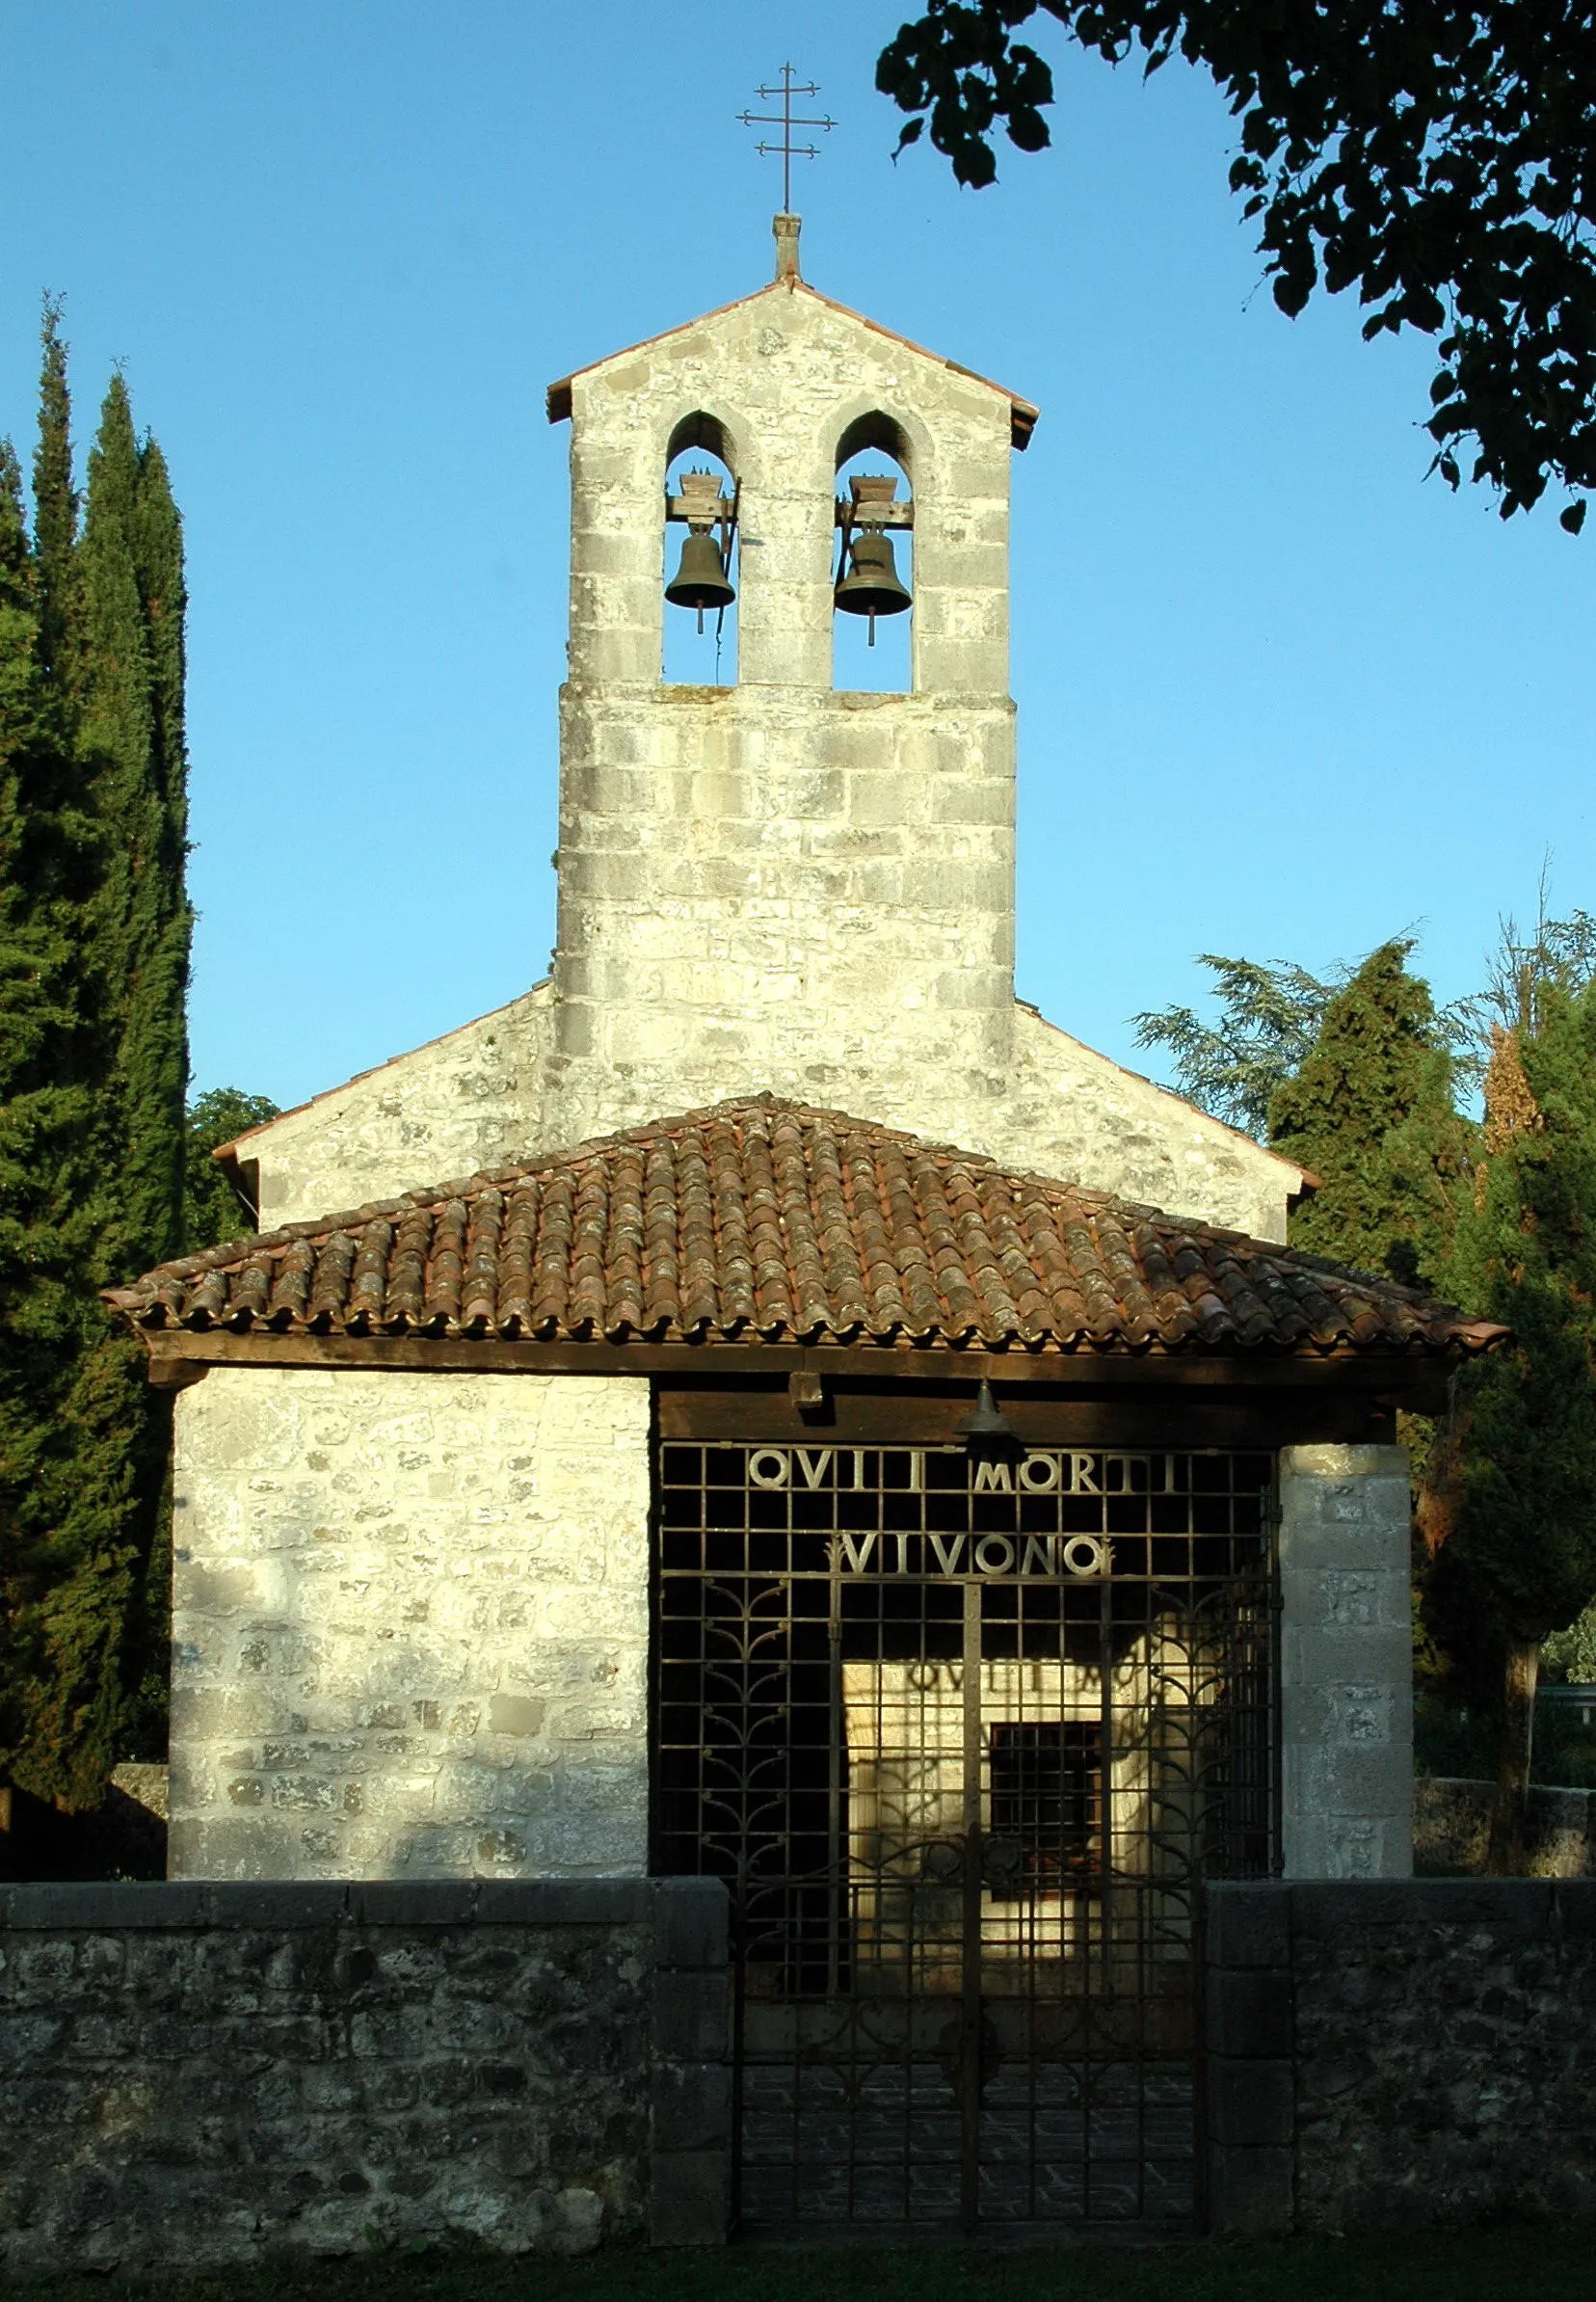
(786, 121)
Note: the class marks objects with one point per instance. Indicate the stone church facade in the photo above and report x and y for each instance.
(775, 886)
(838, 1433)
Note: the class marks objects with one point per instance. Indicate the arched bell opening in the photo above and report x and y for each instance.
(701, 572)
(873, 635)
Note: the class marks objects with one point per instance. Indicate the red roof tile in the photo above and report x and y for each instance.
(767, 1220)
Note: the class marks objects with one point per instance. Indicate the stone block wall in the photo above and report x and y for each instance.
(777, 887)
(1052, 1106)
(782, 376)
(1068, 1110)
(1345, 1663)
(763, 888)
(1452, 1828)
(411, 1626)
(219, 2074)
(1391, 2056)
(774, 885)
(448, 1110)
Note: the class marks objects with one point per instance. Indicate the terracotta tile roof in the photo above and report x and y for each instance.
(761, 1220)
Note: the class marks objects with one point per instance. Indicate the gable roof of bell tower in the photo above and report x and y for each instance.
(1024, 414)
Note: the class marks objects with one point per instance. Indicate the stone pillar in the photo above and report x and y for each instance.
(1346, 1663)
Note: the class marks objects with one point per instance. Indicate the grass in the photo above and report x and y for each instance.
(1553, 2264)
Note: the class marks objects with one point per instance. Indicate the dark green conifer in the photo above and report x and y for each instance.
(1270, 1011)
(1371, 1113)
(52, 1061)
(1519, 1557)
(130, 743)
(56, 504)
(85, 1579)
(158, 559)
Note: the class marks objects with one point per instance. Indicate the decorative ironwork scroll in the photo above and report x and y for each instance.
(961, 1733)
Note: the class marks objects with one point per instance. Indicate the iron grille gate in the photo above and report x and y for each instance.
(961, 1735)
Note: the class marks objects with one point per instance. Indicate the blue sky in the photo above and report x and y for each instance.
(1278, 695)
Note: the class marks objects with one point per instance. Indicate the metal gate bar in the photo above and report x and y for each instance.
(961, 1734)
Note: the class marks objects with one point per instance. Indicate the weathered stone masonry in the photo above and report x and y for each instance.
(1345, 1663)
(411, 1629)
(776, 885)
(410, 1625)
(214, 2074)
(227, 2072)
(1400, 2055)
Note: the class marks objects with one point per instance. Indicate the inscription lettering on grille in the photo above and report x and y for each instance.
(962, 1735)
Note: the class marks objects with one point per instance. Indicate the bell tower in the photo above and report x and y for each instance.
(778, 883)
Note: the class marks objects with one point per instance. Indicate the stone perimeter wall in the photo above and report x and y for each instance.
(1391, 2056)
(410, 1625)
(215, 2075)
(1451, 1829)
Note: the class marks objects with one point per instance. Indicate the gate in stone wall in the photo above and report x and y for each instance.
(962, 1735)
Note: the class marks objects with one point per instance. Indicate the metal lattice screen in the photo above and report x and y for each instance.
(961, 1733)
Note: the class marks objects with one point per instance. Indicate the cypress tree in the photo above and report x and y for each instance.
(84, 1457)
(128, 602)
(50, 1051)
(55, 504)
(1518, 1558)
(1371, 1112)
(130, 742)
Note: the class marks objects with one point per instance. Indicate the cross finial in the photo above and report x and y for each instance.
(787, 120)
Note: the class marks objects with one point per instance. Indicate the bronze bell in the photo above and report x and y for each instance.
(871, 585)
(701, 581)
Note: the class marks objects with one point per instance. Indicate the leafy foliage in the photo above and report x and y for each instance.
(1571, 1654)
(1516, 1468)
(93, 962)
(1556, 955)
(1271, 1013)
(1371, 1112)
(1526, 1254)
(211, 1212)
(1438, 155)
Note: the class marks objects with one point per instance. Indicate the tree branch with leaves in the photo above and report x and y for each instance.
(1438, 156)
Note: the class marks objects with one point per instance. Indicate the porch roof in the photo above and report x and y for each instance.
(765, 1221)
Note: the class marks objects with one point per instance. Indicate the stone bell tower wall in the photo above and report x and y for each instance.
(774, 886)
(785, 375)
(809, 894)
(777, 885)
